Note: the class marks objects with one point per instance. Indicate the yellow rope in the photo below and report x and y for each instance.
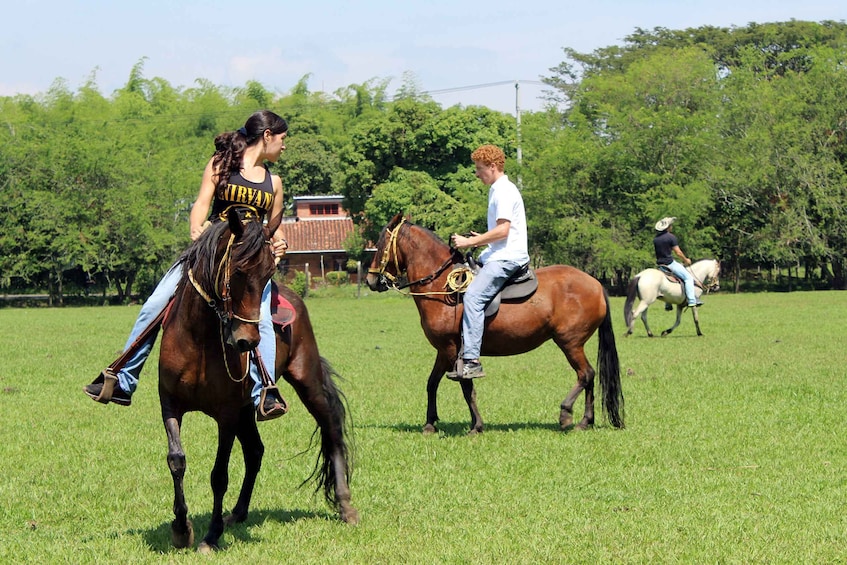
(459, 279)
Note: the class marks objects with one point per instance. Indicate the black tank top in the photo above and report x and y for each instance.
(240, 191)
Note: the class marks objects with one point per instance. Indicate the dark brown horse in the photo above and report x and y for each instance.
(203, 366)
(568, 307)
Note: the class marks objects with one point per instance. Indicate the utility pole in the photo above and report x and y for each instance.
(518, 120)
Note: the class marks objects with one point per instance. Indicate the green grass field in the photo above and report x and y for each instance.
(733, 450)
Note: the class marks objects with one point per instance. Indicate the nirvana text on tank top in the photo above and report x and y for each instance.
(259, 195)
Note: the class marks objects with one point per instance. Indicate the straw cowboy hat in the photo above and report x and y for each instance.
(664, 223)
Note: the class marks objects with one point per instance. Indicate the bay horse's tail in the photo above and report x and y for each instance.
(335, 453)
(609, 368)
(631, 293)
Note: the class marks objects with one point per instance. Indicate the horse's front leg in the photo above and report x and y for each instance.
(182, 530)
(220, 483)
(469, 392)
(679, 308)
(441, 366)
(253, 450)
(695, 312)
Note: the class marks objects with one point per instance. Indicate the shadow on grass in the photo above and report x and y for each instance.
(158, 539)
(455, 429)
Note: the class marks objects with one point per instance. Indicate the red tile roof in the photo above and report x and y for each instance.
(313, 235)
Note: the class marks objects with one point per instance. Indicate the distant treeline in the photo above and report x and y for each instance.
(739, 132)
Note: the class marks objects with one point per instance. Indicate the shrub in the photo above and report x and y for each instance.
(298, 284)
(337, 278)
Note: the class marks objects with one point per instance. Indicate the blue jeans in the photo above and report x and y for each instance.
(484, 287)
(157, 302)
(688, 281)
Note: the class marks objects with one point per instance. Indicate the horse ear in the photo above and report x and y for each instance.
(398, 217)
(235, 225)
(273, 223)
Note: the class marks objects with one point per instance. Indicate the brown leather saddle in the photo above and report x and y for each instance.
(675, 279)
(522, 284)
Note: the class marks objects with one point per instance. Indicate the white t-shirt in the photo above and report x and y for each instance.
(505, 203)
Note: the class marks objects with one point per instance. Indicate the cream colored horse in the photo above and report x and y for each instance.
(652, 284)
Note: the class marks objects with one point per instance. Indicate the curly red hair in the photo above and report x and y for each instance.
(490, 155)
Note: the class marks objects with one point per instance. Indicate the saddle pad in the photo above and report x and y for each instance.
(282, 311)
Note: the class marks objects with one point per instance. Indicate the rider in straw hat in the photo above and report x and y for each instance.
(666, 244)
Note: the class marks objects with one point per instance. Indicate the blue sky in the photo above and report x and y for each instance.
(445, 45)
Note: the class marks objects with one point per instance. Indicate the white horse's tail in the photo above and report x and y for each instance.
(631, 293)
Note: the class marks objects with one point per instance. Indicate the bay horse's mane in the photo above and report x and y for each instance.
(202, 254)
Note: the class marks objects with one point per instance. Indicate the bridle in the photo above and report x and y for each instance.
(221, 303)
(713, 278)
(390, 250)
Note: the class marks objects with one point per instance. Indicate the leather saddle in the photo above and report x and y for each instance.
(522, 284)
(282, 311)
(675, 279)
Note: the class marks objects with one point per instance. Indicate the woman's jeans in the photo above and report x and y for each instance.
(688, 281)
(158, 301)
(485, 285)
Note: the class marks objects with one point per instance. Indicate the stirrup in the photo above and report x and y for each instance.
(261, 415)
(110, 380)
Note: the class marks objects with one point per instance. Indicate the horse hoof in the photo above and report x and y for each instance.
(429, 429)
(181, 540)
(206, 548)
(233, 519)
(350, 516)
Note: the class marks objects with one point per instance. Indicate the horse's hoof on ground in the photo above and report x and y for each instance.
(350, 516)
(474, 431)
(582, 426)
(565, 421)
(232, 519)
(181, 540)
(429, 429)
(206, 548)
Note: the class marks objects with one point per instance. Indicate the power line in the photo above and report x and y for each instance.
(485, 85)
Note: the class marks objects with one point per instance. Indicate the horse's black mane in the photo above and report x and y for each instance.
(202, 255)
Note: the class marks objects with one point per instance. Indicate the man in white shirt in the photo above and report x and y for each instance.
(506, 253)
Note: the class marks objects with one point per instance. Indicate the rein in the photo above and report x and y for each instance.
(391, 250)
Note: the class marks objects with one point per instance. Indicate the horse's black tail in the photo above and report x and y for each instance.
(336, 443)
(631, 292)
(609, 368)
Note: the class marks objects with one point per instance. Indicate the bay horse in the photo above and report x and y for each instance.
(652, 284)
(207, 336)
(568, 307)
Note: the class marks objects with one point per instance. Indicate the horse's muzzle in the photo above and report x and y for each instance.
(377, 283)
(243, 336)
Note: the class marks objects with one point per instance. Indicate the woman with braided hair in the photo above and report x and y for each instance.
(236, 175)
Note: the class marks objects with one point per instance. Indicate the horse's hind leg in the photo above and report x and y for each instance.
(640, 312)
(584, 383)
(182, 530)
(253, 450)
(679, 308)
(311, 377)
